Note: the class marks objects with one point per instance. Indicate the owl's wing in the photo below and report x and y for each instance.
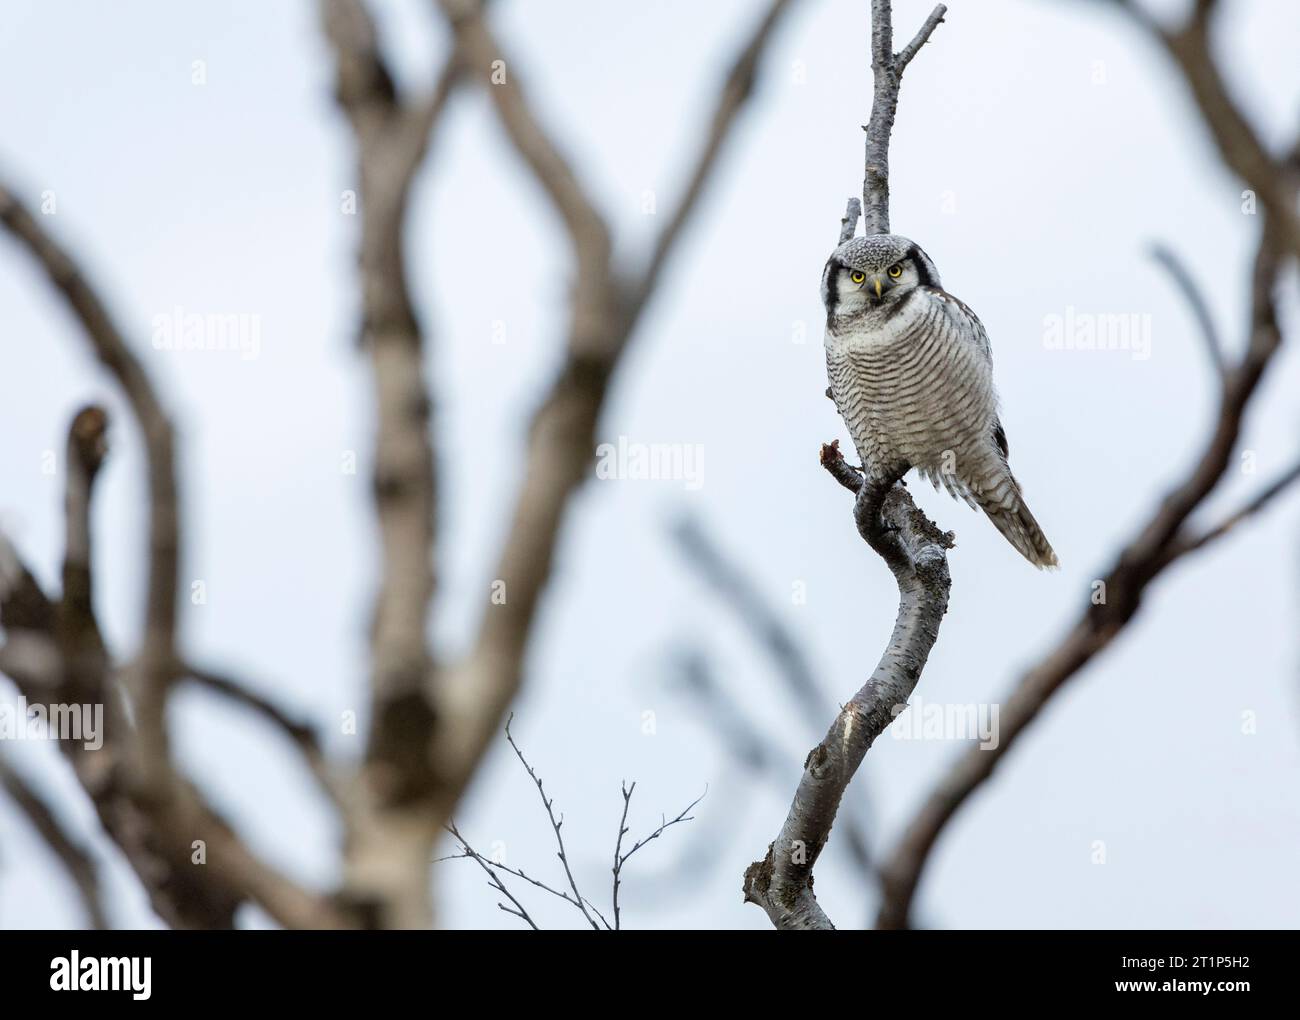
(966, 323)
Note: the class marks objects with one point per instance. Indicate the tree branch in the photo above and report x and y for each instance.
(1275, 181)
(152, 671)
(398, 821)
(1195, 298)
(300, 734)
(604, 313)
(913, 548)
(76, 859)
(887, 74)
(916, 552)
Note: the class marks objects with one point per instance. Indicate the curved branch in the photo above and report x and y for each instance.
(110, 347)
(913, 548)
(77, 861)
(916, 552)
(1275, 181)
(562, 436)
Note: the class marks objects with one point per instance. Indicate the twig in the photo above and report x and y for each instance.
(303, 736)
(580, 901)
(621, 858)
(576, 899)
(1191, 543)
(469, 851)
(666, 823)
(618, 846)
(75, 858)
(496, 882)
(1194, 296)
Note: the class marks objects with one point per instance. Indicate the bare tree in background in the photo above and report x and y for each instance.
(432, 721)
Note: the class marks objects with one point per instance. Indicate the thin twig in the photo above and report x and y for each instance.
(497, 884)
(76, 859)
(1262, 499)
(469, 851)
(555, 825)
(302, 735)
(1195, 298)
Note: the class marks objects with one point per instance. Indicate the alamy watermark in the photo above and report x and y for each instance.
(933, 720)
(77, 973)
(51, 721)
(181, 330)
(658, 462)
(1099, 331)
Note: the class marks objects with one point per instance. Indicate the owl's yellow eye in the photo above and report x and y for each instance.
(895, 272)
(857, 277)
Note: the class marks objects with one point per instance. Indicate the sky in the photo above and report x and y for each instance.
(196, 163)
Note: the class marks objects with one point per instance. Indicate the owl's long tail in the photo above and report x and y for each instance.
(1006, 508)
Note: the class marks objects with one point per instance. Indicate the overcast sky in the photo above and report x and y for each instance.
(1040, 148)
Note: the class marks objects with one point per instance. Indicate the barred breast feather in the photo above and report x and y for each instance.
(914, 385)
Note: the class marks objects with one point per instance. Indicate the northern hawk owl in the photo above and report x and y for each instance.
(911, 372)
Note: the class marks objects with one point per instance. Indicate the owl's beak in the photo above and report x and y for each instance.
(876, 281)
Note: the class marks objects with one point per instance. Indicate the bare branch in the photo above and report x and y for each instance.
(604, 312)
(578, 899)
(916, 552)
(480, 51)
(849, 224)
(887, 73)
(76, 859)
(736, 91)
(468, 851)
(152, 670)
(1195, 298)
(911, 546)
(1275, 181)
(399, 821)
(518, 910)
(1191, 543)
(739, 594)
(156, 818)
(618, 848)
(922, 36)
(302, 735)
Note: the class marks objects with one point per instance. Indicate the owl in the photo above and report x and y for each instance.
(911, 372)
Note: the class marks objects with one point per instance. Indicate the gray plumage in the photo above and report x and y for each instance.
(911, 371)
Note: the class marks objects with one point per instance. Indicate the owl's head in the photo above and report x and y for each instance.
(874, 272)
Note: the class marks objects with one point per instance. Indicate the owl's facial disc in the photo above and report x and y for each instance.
(884, 284)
